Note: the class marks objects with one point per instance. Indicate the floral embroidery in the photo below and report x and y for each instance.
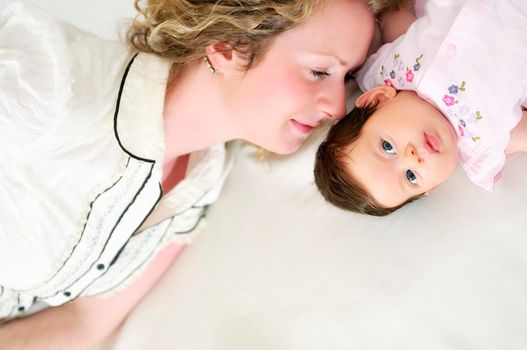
(398, 64)
(463, 113)
(463, 110)
(449, 100)
(417, 65)
(396, 75)
(453, 89)
(409, 75)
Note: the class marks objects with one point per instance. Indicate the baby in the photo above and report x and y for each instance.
(452, 88)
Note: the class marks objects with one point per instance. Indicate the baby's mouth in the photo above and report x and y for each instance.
(432, 143)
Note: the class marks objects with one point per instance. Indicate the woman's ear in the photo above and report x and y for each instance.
(223, 58)
(376, 96)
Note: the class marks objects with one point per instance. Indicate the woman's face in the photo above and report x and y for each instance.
(299, 81)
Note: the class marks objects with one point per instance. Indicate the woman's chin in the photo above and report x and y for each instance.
(284, 147)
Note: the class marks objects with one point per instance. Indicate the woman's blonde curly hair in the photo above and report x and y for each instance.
(180, 30)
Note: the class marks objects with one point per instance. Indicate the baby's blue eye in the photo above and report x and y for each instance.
(387, 147)
(410, 177)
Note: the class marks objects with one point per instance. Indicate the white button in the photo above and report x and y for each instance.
(451, 50)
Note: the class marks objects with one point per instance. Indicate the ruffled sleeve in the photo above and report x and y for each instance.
(58, 86)
(484, 168)
(35, 94)
(35, 80)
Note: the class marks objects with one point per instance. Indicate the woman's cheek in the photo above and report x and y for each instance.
(297, 91)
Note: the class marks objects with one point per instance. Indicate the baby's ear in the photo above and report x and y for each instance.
(376, 96)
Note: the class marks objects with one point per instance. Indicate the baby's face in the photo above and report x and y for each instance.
(406, 148)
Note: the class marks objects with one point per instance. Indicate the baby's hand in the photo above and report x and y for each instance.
(518, 139)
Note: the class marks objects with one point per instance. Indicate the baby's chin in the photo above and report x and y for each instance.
(449, 153)
(450, 163)
(449, 137)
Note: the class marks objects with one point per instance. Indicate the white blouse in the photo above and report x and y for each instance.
(82, 148)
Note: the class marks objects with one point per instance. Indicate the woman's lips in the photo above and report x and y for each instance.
(303, 128)
(432, 143)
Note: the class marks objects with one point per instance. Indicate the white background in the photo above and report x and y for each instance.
(287, 271)
(104, 17)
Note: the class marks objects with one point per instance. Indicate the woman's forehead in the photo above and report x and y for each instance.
(339, 28)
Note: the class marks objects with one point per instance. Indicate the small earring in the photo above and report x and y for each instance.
(207, 62)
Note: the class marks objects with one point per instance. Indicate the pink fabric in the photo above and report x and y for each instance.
(468, 58)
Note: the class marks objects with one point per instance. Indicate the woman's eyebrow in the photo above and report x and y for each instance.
(332, 56)
(339, 60)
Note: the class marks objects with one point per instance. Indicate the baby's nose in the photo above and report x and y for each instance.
(413, 154)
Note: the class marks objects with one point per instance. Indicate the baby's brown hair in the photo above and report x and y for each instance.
(336, 184)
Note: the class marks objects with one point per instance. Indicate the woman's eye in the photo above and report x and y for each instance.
(410, 177)
(387, 147)
(319, 74)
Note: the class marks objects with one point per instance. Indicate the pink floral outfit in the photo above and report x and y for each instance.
(468, 59)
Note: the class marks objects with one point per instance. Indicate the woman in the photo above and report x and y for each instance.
(111, 154)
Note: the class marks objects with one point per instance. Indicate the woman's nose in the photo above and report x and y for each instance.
(332, 103)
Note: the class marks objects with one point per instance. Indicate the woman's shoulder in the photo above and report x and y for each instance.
(45, 59)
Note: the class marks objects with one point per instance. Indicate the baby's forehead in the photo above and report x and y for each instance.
(347, 158)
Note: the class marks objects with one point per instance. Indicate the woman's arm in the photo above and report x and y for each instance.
(518, 139)
(84, 322)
